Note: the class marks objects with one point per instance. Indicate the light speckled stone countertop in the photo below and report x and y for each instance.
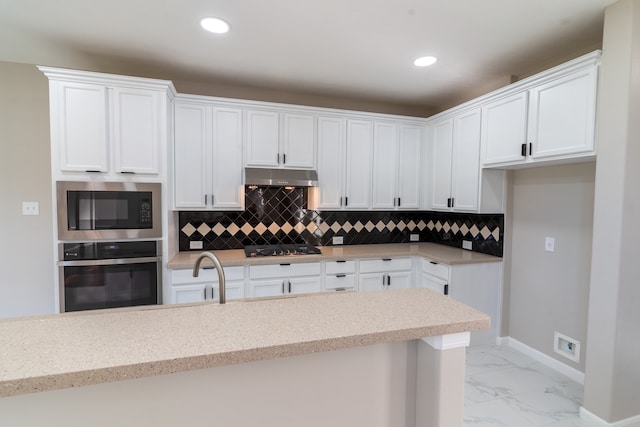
(78, 349)
(433, 251)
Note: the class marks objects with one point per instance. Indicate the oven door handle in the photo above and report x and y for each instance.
(115, 261)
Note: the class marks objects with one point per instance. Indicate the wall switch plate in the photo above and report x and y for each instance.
(195, 244)
(30, 208)
(414, 237)
(549, 244)
(337, 240)
(467, 244)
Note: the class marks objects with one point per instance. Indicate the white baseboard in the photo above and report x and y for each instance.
(592, 420)
(539, 356)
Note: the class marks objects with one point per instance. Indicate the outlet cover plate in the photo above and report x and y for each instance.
(566, 346)
(195, 244)
(414, 237)
(338, 240)
(467, 244)
(549, 244)
(30, 208)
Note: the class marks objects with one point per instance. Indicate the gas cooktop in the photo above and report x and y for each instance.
(280, 250)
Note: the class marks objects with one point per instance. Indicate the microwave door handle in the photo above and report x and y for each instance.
(93, 212)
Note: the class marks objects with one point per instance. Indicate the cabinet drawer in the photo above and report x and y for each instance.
(385, 265)
(284, 270)
(337, 281)
(435, 269)
(206, 275)
(338, 267)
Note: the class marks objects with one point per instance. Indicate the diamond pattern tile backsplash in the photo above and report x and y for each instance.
(275, 215)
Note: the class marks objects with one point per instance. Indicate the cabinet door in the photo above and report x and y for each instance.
(399, 280)
(331, 162)
(136, 130)
(466, 161)
(188, 293)
(442, 148)
(227, 188)
(371, 282)
(435, 284)
(79, 120)
(233, 290)
(504, 129)
(262, 136)
(409, 158)
(359, 160)
(562, 119)
(299, 141)
(304, 285)
(267, 288)
(191, 153)
(385, 162)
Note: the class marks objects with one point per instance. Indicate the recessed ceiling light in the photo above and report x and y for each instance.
(425, 61)
(215, 25)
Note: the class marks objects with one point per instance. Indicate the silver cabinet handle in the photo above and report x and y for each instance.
(205, 199)
(205, 293)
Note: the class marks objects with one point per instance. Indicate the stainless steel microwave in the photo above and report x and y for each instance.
(108, 210)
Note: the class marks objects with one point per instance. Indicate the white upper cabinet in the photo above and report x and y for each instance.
(207, 157)
(331, 162)
(280, 140)
(115, 126)
(358, 164)
(455, 145)
(396, 166)
(547, 118)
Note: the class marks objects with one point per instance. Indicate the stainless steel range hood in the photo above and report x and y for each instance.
(280, 177)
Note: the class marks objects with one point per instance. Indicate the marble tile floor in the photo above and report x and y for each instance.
(504, 387)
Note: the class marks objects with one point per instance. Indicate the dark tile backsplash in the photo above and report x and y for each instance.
(276, 215)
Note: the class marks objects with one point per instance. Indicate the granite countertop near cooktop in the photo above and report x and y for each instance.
(60, 351)
(439, 253)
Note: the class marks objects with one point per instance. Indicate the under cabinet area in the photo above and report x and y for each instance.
(385, 273)
(107, 126)
(547, 118)
(186, 289)
(207, 156)
(284, 279)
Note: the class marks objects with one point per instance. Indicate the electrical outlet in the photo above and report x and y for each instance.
(467, 244)
(30, 208)
(549, 244)
(566, 346)
(414, 237)
(337, 240)
(195, 244)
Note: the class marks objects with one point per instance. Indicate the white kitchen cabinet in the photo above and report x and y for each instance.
(382, 274)
(340, 275)
(549, 117)
(284, 279)
(188, 289)
(396, 166)
(332, 150)
(280, 140)
(477, 285)
(207, 157)
(359, 159)
(456, 161)
(107, 126)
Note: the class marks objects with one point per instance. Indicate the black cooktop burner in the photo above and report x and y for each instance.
(280, 250)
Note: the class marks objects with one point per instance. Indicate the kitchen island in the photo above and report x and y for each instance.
(393, 358)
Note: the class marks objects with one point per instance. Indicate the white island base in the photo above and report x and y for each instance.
(408, 383)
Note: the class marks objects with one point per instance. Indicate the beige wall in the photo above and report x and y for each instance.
(26, 252)
(549, 290)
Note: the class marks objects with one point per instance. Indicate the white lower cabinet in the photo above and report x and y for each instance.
(284, 279)
(386, 273)
(340, 275)
(187, 289)
(477, 285)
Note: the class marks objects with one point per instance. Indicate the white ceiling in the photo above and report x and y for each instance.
(360, 49)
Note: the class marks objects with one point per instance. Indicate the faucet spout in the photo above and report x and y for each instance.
(218, 266)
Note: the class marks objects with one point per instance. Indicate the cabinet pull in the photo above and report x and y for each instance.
(205, 293)
(433, 262)
(213, 199)
(394, 202)
(449, 202)
(213, 293)
(340, 289)
(283, 287)
(278, 158)
(128, 172)
(453, 202)
(341, 260)
(93, 171)
(446, 289)
(284, 159)
(289, 281)
(388, 280)
(398, 201)
(341, 275)
(205, 199)
(530, 148)
(523, 150)
(386, 259)
(346, 201)
(340, 201)
(285, 263)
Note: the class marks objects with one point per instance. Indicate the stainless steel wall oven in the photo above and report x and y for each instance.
(97, 275)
